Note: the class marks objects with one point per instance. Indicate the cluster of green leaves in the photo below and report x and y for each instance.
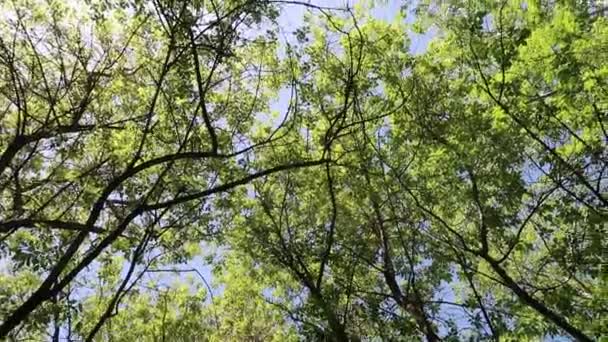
(471, 176)
(458, 194)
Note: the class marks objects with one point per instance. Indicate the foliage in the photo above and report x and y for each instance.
(457, 194)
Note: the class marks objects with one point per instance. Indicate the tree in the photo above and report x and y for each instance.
(475, 181)
(119, 121)
(458, 194)
(185, 308)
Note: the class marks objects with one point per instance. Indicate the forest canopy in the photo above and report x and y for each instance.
(274, 170)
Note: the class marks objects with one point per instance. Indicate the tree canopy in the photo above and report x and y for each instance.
(200, 171)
